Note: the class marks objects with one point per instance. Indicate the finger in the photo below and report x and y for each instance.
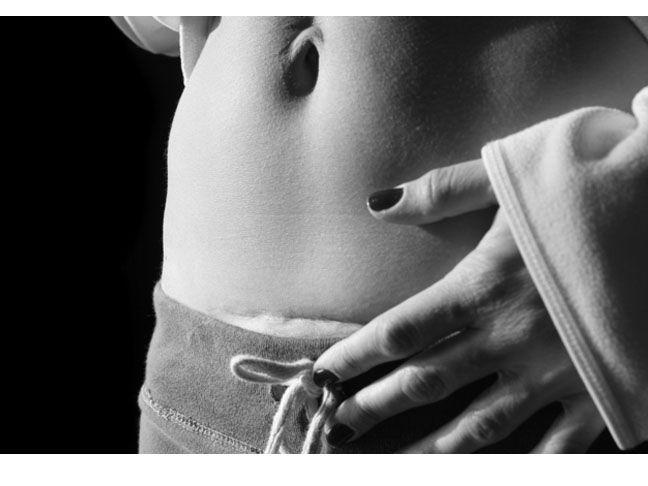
(402, 331)
(438, 194)
(426, 378)
(491, 418)
(575, 430)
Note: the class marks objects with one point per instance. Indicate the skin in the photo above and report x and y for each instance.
(484, 317)
(270, 165)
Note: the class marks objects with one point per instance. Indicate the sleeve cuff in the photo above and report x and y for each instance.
(553, 295)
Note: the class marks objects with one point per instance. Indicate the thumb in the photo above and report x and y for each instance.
(441, 193)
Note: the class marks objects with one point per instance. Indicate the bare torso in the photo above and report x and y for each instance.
(268, 179)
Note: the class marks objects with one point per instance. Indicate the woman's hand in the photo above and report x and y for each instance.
(483, 317)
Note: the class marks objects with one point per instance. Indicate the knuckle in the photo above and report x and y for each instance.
(460, 309)
(398, 338)
(437, 189)
(348, 361)
(493, 272)
(423, 385)
(491, 284)
(488, 428)
(365, 415)
(496, 286)
(525, 393)
(459, 304)
(567, 445)
(518, 386)
(464, 293)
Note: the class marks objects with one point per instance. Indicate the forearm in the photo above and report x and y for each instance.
(575, 190)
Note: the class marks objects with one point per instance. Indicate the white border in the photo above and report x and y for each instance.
(477, 470)
(329, 7)
(361, 470)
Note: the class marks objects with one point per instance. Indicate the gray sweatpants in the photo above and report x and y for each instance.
(192, 403)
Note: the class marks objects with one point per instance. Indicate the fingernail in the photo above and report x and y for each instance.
(339, 435)
(324, 377)
(381, 200)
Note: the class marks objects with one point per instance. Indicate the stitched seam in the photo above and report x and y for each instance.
(548, 287)
(185, 422)
(160, 430)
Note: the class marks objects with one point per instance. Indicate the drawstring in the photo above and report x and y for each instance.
(301, 392)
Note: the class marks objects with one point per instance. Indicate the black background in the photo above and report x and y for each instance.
(85, 121)
(86, 116)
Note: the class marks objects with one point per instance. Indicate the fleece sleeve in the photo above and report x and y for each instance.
(575, 192)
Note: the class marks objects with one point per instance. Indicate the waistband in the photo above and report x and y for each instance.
(192, 396)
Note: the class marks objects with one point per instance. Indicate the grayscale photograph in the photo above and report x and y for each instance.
(327, 235)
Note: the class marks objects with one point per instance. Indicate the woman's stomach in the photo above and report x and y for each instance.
(287, 125)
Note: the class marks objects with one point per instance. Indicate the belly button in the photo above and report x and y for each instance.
(302, 69)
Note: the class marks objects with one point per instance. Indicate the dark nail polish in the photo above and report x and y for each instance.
(323, 378)
(381, 200)
(339, 435)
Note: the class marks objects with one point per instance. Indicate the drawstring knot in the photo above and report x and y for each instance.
(301, 392)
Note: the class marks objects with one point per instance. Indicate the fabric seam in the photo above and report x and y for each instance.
(188, 423)
(160, 430)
